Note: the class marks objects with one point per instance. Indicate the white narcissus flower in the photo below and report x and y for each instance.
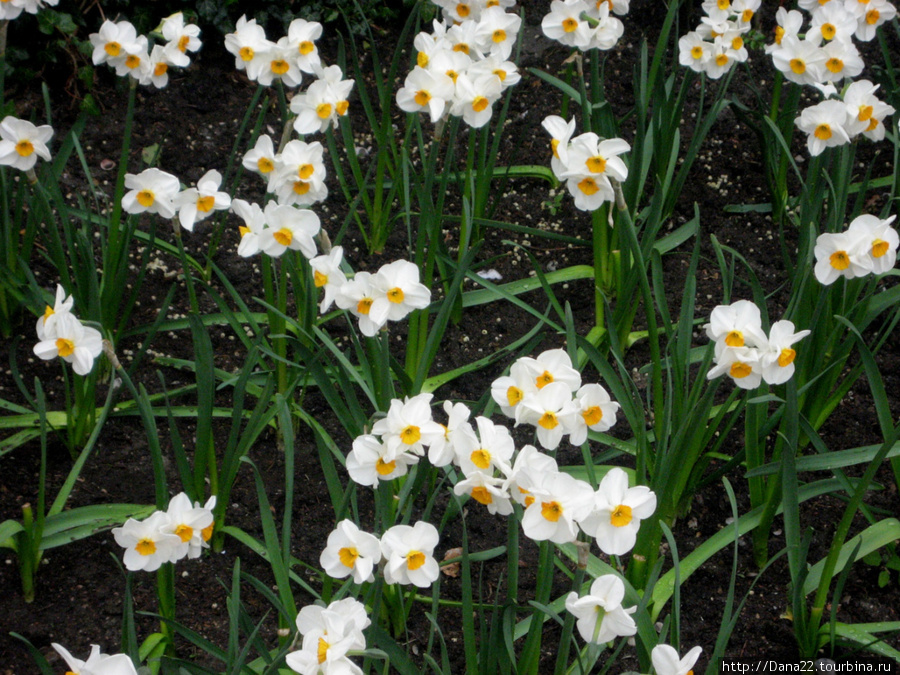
(409, 554)
(474, 99)
(147, 546)
(666, 661)
(247, 39)
(261, 158)
(618, 512)
(299, 176)
(323, 102)
(425, 90)
(832, 21)
(151, 191)
(370, 461)
(842, 61)
(46, 323)
(351, 551)
(494, 450)
(408, 426)
(553, 365)
(801, 61)
(594, 410)
(777, 359)
(136, 63)
(509, 390)
(21, 143)
(357, 296)
(459, 437)
(592, 163)
(181, 38)
(112, 42)
(871, 15)
(741, 364)
(560, 503)
(694, 52)
(157, 72)
(72, 341)
(560, 134)
(550, 410)
(600, 615)
(329, 633)
(497, 30)
(302, 36)
(737, 325)
(328, 276)
(289, 228)
(196, 204)
(865, 113)
(397, 292)
(188, 522)
(486, 490)
(254, 223)
(841, 254)
(879, 238)
(97, 663)
(528, 470)
(564, 23)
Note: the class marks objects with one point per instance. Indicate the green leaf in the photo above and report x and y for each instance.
(855, 633)
(8, 529)
(871, 539)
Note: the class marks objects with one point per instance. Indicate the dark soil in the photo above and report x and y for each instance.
(80, 587)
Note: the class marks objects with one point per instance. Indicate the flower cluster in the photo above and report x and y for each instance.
(826, 58)
(97, 663)
(585, 24)
(61, 334)
(118, 45)
(462, 68)
(546, 392)
(155, 191)
(407, 552)
(718, 42)
(329, 635)
(21, 143)
(183, 530)
(743, 350)
(586, 163)
(867, 246)
(296, 175)
(266, 61)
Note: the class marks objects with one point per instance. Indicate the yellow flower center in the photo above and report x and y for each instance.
(24, 148)
(554, 146)
(872, 16)
(461, 47)
(697, 52)
(48, 313)
(551, 511)
(279, 66)
(828, 31)
(734, 338)
(415, 559)
(301, 187)
(879, 248)
(305, 171)
(513, 395)
(723, 4)
(205, 204)
(133, 61)
(306, 47)
(453, 75)
(588, 186)
(463, 10)
(543, 379)
(246, 54)
(383, 468)
(65, 347)
(740, 370)
(145, 547)
(498, 36)
(185, 532)
(747, 15)
(422, 97)
(823, 132)
(569, 24)
(422, 59)
(798, 66)
(323, 110)
(183, 43)
(322, 650)
(779, 34)
(319, 279)
(243, 230)
(596, 164)
(411, 435)
(592, 415)
(395, 295)
(207, 531)
(834, 64)
(500, 73)
(481, 458)
(265, 165)
(348, 556)
(112, 48)
(621, 516)
(721, 59)
(160, 69)
(482, 495)
(342, 107)
(146, 198)
(364, 305)
(283, 236)
(480, 103)
(865, 112)
(873, 124)
(737, 43)
(548, 420)
(786, 357)
(840, 260)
